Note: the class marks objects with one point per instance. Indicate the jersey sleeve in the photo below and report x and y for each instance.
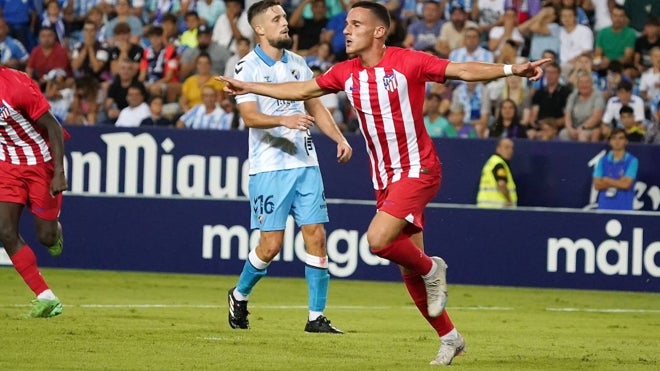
(431, 68)
(244, 72)
(27, 97)
(334, 78)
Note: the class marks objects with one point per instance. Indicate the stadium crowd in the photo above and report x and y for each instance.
(152, 62)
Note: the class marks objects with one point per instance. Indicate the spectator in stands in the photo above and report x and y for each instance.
(583, 65)
(334, 33)
(575, 39)
(188, 38)
(582, 17)
(471, 51)
(219, 54)
(509, 53)
(473, 98)
(458, 128)
(158, 8)
(156, 114)
(653, 130)
(649, 85)
(121, 48)
(159, 66)
(507, 124)
(624, 97)
(206, 115)
(123, 9)
(423, 33)
(550, 101)
(89, 57)
(192, 88)
(115, 101)
(59, 94)
(137, 109)
(487, 14)
(171, 32)
(322, 58)
(209, 11)
(514, 89)
(47, 56)
(307, 31)
(602, 9)
(433, 119)
(649, 39)
(85, 107)
(584, 111)
(242, 49)
(616, 42)
(639, 11)
(452, 33)
(543, 31)
(499, 35)
(615, 174)
(232, 25)
(634, 131)
(52, 17)
(496, 187)
(548, 130)
(12, 52)
(20, 16)
(97, 16)
(412, 10)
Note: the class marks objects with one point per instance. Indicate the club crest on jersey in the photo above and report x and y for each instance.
(295, 74)
(390, 82)
(4, 112)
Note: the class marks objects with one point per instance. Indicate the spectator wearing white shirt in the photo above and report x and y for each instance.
(507, 31)
(232, 25)
(623, 97)
(575, 39)
(649, 84)
(207, 115)
(137, 109)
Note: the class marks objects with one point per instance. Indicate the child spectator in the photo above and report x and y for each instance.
(156, 117)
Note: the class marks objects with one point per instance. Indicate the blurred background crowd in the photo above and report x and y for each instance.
(134, 63)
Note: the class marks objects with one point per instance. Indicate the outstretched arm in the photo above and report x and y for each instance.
(298, 90)
(478, 71)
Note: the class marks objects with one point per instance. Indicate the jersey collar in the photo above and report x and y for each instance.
(268, 60)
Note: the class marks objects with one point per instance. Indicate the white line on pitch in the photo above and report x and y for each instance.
(603, 310)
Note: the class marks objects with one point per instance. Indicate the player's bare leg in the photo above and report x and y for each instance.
(46, 303)
(49, 233)
(318, 278)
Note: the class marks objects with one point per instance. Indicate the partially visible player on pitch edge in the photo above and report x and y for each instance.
(284, 171)
(32, 175)
(386, 88)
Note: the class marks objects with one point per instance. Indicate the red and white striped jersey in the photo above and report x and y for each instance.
(22, 141)
(389, 101)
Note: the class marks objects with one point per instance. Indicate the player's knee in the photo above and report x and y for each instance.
(376, 241)
(8, 235)
(268, 251)
(47, 236)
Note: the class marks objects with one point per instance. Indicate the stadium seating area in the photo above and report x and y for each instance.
(133, 63)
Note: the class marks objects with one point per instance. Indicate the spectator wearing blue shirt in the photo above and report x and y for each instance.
(207, 115)
(423, 33)
(12, 52)
(19, 15)
(615, 174)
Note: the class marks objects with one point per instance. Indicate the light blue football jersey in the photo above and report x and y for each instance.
(276, 148)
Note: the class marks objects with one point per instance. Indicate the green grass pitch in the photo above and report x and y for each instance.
(149, 321)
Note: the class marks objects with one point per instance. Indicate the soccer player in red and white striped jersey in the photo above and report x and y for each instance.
(31, 174)
(386, 88)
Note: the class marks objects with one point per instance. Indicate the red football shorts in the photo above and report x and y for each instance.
(30, 186)
(407, 198)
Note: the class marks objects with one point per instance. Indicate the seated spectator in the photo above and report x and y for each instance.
(207, 115)
(121, 48)
(433, 119)
(649, 84)
(171, 33)
(635, 132)
(543, 32)
(89, 57)
(613, 78)
(653, 131)
(516, 90)
(584, 112)
(334, 33)
(307, 32)
(20, 18)
(471, 51)
(115, 99)
(499, 35)
(624, 97)
(473, 98)
(189, 36)
(639, 11)
(550, 101)
(137, 109)
(574, 39)
(444, 91)
(457, 127)
(507, 124)
(191, 89)
(219, 54)
(232, 25)
(59, 94)
(509, 53)
(159, 67)
(581, 67)
(47, 56)
(323, 57)
(649, 39)
(52, 18)
(242, 49)
(582, 17)
(548, 130)
(487, 14)
(85, 106)
(615, 43)
(97, 15)
(452, 33)
(423, 33)
(123, 10)
(12, 53)
(156, 114)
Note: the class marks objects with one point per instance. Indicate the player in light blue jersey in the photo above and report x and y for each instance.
(284, 172)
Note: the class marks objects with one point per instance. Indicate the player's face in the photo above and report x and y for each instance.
(360, 30)
(276, 28)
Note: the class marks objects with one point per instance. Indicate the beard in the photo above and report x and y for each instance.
(281, 43)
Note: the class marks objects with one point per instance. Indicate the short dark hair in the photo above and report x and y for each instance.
(626, 109)
(260, 7)
(377, 10)
(155, 31)
(121, 28)
(615, 132)
(625, 85)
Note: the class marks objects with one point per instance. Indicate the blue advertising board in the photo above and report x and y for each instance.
(175, 201)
